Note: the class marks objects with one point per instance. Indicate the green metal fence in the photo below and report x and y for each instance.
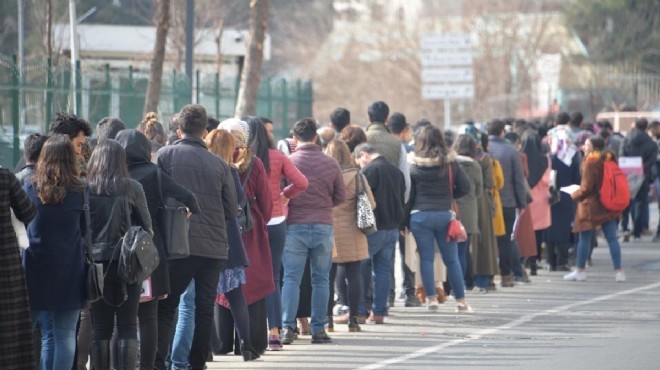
(29, 101)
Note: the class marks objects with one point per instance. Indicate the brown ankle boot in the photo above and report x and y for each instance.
(507, 281)
(441, 295)
(421, 294)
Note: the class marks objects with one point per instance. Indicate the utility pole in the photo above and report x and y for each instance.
(21, 58)
(190, 31)
(73, 20)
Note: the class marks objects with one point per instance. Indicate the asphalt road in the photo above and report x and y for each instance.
(548, 324)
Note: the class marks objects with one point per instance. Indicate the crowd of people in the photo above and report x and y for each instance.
(293, 237)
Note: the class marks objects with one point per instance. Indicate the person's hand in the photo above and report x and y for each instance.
(285, 200)
(188, 213)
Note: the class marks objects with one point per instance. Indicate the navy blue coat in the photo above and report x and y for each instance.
(563, 213)
(54, 262)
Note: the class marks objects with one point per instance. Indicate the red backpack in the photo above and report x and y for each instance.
(614, 191)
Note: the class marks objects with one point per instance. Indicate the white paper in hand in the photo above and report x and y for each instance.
(570, 189)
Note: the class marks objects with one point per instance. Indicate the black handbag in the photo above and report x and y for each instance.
(173, 224)
(138, 256)
(94, 277)
(245, 220)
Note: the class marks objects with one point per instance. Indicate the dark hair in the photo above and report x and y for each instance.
(654, 124)
(57, 170)
(32, 147)
(175, 124)
(340, 118)
(193, 120)
(465, 145)
(641, 124)
(449, 137)
(266, 120)
(108, 127)
(259, 141)
(605, 125)
(484, 143)
(69, 124)
(305, 130)
(597, 142)
(430, 143)
(211, 123)
(563, 118)
(495, 127)
(366, 148)
(512, 137)
(378, 111)
(397, 123)
(353, 136)
(107, 171)
(419, 124)
(576, 119)
(153, 130)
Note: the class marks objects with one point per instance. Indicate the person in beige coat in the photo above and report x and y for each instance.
(350, 243)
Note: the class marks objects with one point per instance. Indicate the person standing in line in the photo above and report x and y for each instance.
(437, 182)
(192, 166)
(310, 232)
(513, 196)
(388, 188)
(16, 345)
(350, 242)
(156, 186)
(278, 166)
(466, 150)
(591, 213)
(54, 262)
(31, 150)
(339, 119)
(116, 203)
(655, 132)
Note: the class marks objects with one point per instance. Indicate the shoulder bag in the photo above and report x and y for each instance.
(366, 220)
(138, 256)
(455, 229)
(173, 224)
(94, 277)
(245, 220)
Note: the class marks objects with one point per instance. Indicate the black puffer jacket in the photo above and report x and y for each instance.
(140, 168)
(430, 183)
(639, 144)
(191, 165)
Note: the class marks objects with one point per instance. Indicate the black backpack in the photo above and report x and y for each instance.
(138, 256)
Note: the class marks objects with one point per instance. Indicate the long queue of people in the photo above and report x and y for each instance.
(290, 238)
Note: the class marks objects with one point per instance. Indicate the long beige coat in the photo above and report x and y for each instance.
(350, 242)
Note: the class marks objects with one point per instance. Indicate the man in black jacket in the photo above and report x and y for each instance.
(388, 187)
(639, 144)
(189, 163)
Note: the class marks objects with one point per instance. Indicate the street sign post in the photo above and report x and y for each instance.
(447, 72)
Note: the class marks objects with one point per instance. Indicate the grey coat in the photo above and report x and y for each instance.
(514, 192)
(467, 205)
(189, 163)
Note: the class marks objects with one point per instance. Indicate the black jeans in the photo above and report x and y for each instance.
(354, 286)
(206, 272)
(104, 312)
(504, 243)
(148, 317)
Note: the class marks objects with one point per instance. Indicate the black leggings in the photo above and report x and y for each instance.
(257, 333)
(353, 276)
(104, 310)
(148, 317)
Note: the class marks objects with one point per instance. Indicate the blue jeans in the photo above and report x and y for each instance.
(482, 281)
(463, 249)
(302, 241)
(185, 327)
(584, 245)
(58, 338)
(276, 238)
(429, 227)
(381, 252)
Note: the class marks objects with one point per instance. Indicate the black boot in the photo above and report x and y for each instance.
(100, 354)
(127, 352)
(532, 267)
(249, 354)
(353, 325)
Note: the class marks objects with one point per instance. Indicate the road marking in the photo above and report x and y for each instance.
(510, 325)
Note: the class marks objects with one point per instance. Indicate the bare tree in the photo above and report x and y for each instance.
(246, 103)
(156, 71)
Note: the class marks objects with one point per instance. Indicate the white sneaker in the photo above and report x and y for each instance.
(576, 276)
(432, 303)
(620, 277)
(464, 308)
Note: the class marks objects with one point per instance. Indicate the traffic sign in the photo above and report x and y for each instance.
(440, 59)
(458, 74)
(457, 91)
(446, 42)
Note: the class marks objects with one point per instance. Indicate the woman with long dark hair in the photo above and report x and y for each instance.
(431, 167)
(54, 262)
(157, 186)
(116, 203)
(278, 167)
